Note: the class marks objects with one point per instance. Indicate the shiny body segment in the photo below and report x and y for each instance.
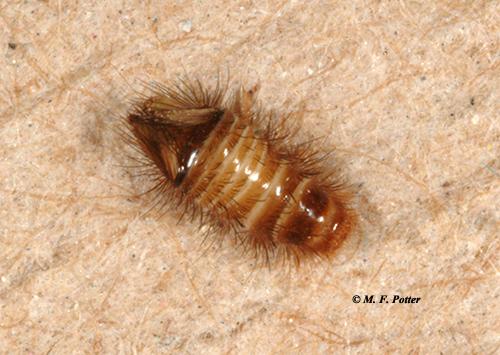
(222, 164)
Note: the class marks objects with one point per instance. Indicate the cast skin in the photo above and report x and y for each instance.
(406, 93)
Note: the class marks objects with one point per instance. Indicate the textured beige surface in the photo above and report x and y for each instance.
(409, 95)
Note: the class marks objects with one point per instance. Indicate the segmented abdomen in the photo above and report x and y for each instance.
(246, 183)
(225, 165)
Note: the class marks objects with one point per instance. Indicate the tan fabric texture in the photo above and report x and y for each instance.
(406, 94)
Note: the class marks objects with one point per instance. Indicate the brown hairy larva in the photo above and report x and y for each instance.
(221, 159)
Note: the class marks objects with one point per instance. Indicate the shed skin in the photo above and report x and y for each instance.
(406, 93)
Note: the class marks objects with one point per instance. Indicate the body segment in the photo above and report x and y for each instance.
(222, 163)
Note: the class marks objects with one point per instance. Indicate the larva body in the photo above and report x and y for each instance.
(222, 164)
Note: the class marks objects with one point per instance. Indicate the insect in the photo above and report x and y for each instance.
(221, 159)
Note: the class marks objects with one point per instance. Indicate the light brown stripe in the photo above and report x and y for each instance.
(225, 171)
(293, 203)
(259, 208)
(237, 178)
(209, 163)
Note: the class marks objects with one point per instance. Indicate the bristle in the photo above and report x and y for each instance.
(219, 159)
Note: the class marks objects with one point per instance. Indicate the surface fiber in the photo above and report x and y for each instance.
(407, 94)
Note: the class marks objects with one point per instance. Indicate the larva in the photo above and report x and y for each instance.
(228, 163)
